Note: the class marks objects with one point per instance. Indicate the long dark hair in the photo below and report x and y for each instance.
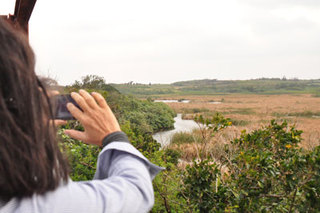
(30, 158)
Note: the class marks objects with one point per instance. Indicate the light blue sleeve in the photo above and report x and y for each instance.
(122, 183)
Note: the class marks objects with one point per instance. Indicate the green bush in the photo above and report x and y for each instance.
(267, 172)
(198, 185)
(182, 137)
(148, 117)
(82, 157)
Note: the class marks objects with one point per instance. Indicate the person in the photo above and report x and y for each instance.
(34, 173)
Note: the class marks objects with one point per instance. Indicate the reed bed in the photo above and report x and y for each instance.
(251, 112)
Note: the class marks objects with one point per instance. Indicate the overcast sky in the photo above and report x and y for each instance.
(173, 40)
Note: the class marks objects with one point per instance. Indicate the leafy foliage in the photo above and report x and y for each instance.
(82, 157)
(93, 82)
(145, 116)
(267, 172)
(198, 185)
(270, 171)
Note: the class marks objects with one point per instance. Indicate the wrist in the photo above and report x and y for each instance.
(115, 136)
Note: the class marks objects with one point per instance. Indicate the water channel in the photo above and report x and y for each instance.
(180, 125)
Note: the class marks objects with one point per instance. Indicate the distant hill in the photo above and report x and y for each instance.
(213, 86)
(195, 82)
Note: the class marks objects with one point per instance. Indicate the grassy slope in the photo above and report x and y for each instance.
(216, 87)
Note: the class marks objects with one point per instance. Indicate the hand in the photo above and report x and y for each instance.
(97, 118)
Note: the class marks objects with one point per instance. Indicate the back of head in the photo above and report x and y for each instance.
(30, 159)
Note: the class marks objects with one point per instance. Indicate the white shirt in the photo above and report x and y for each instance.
(122, 183)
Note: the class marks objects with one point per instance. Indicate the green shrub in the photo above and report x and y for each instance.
(171, 156)
(82, 157)
(167, 183)
(267, 171)
(182, 137)
(198, 185)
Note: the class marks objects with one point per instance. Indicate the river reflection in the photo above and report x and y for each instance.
(180, 125)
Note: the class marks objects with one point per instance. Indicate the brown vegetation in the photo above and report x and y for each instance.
(251, 112)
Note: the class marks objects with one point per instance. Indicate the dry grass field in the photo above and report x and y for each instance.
(254, 111)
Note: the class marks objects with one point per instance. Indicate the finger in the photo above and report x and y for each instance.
(75, 111)
(88, 98)
(59, 122)
(100, 100)
(80, 101)
(75, 134)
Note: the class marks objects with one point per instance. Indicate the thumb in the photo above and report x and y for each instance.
(78, 135)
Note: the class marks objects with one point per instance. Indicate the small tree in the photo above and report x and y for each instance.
(93, 82)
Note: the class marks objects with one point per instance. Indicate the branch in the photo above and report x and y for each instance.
(88, 165)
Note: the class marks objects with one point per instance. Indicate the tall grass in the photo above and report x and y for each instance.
(183, 138)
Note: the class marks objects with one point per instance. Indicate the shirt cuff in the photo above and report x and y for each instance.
(105, 159)
(115, 136)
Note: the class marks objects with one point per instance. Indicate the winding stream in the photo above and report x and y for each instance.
(180, 125)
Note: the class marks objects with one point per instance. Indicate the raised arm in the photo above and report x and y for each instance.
(123, 179)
